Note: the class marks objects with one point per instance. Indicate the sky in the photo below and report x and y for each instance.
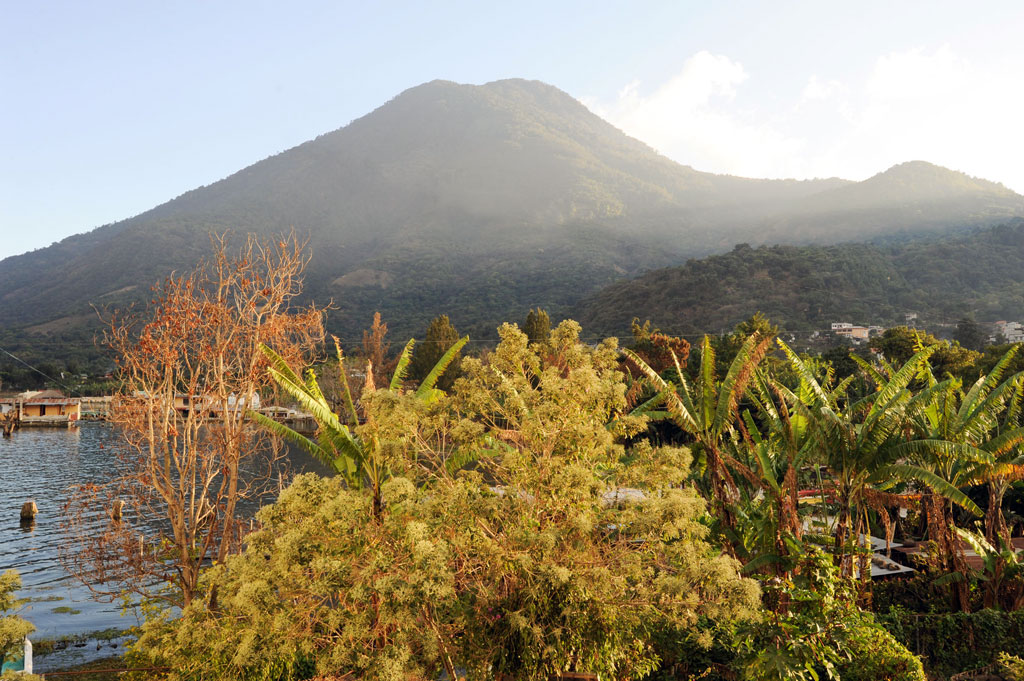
(110, 108)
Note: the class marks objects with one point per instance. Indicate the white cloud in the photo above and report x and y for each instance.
(942, 108)
(913, 104)
(818, 90)
(693, 119)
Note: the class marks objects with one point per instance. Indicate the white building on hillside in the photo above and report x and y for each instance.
(1013, 332)
(848, 330)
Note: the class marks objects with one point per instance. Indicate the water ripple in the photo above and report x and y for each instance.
(40, 464)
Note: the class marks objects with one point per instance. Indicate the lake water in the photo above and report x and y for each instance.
(40, 464)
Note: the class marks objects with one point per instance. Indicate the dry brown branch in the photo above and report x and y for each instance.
(191, 369)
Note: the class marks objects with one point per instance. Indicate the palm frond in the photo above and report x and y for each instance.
(934, 449)
(977, 542)
(938, 485)
(649, 373)
(986, 383)
(278, 364)
(403, 365)
(740, 371)
(873, 373)
(318, 407)
(343, 377)
(706, 386)
(1004, 442)
(428, 383)
(807, 378)
(904, 376)
(647, 406)
(284, 432)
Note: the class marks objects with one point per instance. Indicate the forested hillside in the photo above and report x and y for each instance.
(807, 287)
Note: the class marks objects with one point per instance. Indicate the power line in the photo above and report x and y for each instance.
(596, 339)
(38, 371)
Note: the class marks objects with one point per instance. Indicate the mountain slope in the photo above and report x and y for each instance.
(445, 176)
(477, 201)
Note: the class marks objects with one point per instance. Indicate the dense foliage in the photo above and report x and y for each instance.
(824, 634)
(556, 505)
(955, 642)
(524, 524)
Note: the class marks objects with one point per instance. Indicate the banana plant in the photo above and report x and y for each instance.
(779, 440)
(963, 438)
(999, 567)
(1006, 447)
(354, 456)
(856, 440)
(707, 411)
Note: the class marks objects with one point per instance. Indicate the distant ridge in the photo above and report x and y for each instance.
(908, 199)
(805, 288)
(479, 201)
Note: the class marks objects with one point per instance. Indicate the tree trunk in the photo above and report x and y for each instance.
(842, 560)
(996, 529)
(720, 496)
(953, 559)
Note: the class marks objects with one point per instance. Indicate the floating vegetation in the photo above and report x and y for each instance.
(112, 638)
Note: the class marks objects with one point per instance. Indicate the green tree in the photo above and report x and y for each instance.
(537, 326)
(440, 336)
(899, 343)
(856, 440)
(777, 441)
(969, 334)
(13, 629)
(962, 440)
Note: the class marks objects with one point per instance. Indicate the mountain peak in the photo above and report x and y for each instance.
(934, 179)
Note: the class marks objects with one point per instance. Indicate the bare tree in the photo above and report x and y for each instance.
(375, 350)
(191, 369)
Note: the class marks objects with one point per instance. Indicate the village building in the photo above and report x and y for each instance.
(43, 408)
(1013, 332)
(96, 408)
(185, 403)
(854, 333)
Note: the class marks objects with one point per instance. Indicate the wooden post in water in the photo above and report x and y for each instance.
(29, 511)
(10, 421)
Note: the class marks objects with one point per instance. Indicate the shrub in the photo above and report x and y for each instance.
(876, 655)
(956, 642)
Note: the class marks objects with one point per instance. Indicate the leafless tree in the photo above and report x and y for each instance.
(191, 369)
